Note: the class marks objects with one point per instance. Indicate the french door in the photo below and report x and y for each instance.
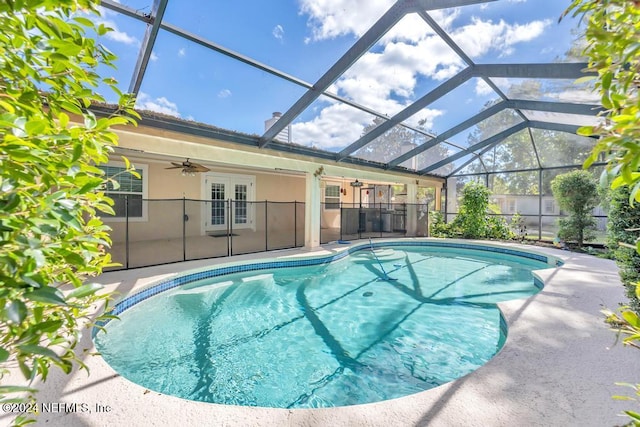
(228, 201)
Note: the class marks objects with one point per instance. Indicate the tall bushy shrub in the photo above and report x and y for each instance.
(51, 239)
(473, 220)
(622, 218)
(577, 194)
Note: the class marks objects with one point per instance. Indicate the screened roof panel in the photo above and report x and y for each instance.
(391, 144)
(141, 5)
(515, 152)
(434, 155)
(562, 118)
(446, 170)
(488, 32)
(561, 148)
(474, 167)
(487, 128)
(272, 33)
(346, 76)
(461, 103)
(124, 42)
(331, 125)
(559, 90)
(405, 64)
(223, 87)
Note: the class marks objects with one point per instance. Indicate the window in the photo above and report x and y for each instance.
(332, 197)
(130, 188)
(241, 216)
(549, 206)
(512, 205)
(217, 204)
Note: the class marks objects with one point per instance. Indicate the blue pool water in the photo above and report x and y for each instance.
(334, 334)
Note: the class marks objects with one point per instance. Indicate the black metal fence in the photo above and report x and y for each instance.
(149, 232)
(349, 221)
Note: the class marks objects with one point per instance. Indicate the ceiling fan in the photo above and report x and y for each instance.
(189, 168)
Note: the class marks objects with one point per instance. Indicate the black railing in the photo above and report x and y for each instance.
(151, 232)
(351, 221)
(159, 231)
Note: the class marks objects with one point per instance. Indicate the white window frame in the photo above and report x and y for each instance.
(324, 195)
(145, 192)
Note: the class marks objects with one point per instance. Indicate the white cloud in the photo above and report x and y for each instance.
(115, 35)
(576, 95)
(339, 125)
(278, 32)
(333, 18)
(121, 37)
(224, 93)
(153, 56)
(480, 37)
(182, 52)
(335, 127)
(482, 88)
(159, 105)
(387, 77)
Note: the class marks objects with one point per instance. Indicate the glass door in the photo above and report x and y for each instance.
(216, 218)
(221, 189)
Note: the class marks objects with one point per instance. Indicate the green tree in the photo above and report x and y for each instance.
(51, 191)
(613, 48)
(577, 194)
(473, 220)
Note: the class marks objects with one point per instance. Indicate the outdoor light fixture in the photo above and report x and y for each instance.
(356, 183)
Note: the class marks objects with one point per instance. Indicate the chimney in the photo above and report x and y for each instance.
(285, 134)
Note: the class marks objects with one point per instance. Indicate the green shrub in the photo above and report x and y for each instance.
(623, 217)
(473, 220)
(437, 226)
(577, 194)
(497, 228)
(51, 239)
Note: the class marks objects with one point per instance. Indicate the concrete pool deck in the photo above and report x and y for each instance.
(558, 367)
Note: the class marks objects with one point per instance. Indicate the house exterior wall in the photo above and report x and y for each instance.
(167, 188)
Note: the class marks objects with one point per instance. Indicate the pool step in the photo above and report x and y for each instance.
(203, 289)
(383, 255)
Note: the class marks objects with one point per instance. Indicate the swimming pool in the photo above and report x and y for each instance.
(328, 331)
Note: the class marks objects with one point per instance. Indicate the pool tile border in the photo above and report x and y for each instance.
(167, 284)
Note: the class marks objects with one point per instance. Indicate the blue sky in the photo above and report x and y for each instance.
(303, 38)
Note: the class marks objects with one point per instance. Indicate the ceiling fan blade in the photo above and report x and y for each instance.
(200, 168)
(174, 167)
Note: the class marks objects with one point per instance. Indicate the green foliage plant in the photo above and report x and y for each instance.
(622, 218)
(437, 226)
(473, 220)
(51, 191)
(518, 227)
(577, 194)
(613, 48)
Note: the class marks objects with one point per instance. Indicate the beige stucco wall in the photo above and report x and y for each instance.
(167, 187)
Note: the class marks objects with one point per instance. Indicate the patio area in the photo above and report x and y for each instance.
(558, 367)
